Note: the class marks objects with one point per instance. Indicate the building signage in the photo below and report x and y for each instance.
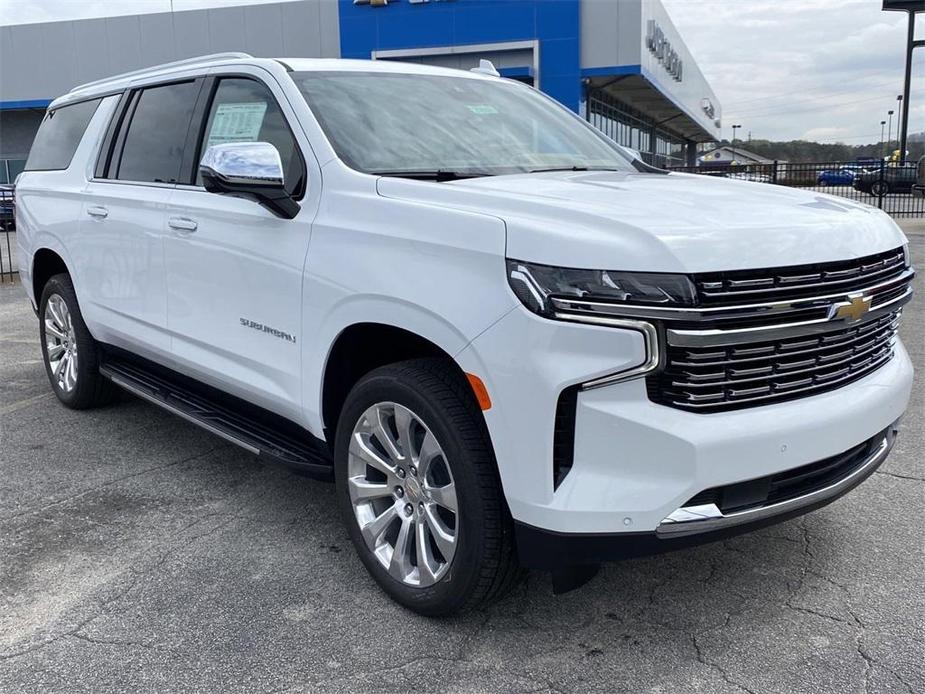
(660, 47)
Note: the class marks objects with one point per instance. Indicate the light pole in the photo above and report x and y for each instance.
(734, 128)
(900, 138)
(889, 132)
(910, 7)
(882, 130)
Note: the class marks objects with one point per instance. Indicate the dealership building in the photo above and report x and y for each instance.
(619, 63)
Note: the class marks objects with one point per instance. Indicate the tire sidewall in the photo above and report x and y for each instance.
(86, 353)
(450, 593)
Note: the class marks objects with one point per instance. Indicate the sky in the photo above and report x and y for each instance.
(824, 70)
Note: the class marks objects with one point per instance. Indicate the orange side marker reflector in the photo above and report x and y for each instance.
(481, 392)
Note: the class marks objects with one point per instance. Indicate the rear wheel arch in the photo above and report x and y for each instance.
(46, 263)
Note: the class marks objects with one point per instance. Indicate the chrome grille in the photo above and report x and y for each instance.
(783, 284)
(715, 378)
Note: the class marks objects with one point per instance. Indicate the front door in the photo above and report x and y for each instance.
(234, 269)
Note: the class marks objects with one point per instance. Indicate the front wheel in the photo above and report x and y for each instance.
(419, 491)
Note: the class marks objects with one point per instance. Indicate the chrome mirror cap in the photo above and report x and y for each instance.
(254, 163)
(250, 170)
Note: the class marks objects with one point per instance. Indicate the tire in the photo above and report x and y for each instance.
(880, 188)
(431, 401)
(65, 339)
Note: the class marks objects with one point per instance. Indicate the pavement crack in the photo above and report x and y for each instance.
(900, 477)
(701, 658)
(109, 483)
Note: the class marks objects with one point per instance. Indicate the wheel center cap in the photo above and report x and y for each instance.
(413, 489)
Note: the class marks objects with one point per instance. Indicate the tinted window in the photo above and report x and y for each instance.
(156, 136)
(58, 136)
(244, 110)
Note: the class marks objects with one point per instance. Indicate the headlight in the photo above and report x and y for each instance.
(907, 255)
(535, 285)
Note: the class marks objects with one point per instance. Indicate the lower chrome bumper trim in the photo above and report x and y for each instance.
(689, 520)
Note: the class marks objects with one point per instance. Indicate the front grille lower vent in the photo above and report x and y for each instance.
(790, 484)
(718, 378)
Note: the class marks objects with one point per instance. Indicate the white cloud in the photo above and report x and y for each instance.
(812, 69)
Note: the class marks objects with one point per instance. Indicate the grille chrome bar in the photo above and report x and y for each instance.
(718, 378)
(782, 283)
(773, 310)
(718, 337)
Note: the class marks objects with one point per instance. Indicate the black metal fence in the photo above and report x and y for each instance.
(881, 184)
(8, 272)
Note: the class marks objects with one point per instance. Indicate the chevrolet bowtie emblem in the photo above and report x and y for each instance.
(854, 309)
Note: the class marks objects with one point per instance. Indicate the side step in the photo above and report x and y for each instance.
(252, 428)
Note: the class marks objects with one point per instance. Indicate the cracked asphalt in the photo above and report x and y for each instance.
(138, 553)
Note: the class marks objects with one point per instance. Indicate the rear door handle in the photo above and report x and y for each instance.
(97, 211)
(182, 224)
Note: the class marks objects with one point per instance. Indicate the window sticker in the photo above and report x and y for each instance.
(482, 109)
(237, 123)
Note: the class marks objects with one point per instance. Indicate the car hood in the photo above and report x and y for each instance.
(658, 222)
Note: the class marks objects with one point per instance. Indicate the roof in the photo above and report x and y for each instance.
(123, 80)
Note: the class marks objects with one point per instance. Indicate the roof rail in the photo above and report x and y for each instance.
(199, 60)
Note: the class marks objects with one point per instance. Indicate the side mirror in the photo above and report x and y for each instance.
(251, 170)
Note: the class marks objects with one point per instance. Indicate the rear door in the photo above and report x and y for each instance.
(234, 269)
(125, 214)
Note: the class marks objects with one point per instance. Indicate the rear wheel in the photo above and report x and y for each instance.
(419, 491)
(69, 351)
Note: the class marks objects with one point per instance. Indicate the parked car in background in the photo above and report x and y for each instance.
(837, 177)
(508, 342)
(891, 179)
(7, 220)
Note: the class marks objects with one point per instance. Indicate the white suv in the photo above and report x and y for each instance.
(510, 343)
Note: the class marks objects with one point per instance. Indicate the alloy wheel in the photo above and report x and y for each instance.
(403, 494)
(60, 343)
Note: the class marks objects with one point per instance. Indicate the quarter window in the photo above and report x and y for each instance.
(156, 137)
(244, 110)
(58, 136)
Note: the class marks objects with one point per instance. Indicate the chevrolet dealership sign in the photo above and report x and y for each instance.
(660, 47)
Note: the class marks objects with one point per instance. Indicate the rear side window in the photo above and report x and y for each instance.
(58, 136)
(156, 136)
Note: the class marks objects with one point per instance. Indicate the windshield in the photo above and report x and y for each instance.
(393, 124)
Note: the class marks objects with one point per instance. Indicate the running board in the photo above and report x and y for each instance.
(253, 429)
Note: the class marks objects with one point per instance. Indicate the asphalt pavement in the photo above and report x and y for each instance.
(140, 554)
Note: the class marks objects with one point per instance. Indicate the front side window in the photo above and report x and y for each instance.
(156, 137)
(393, 123)
(244, 110)
(58, 136)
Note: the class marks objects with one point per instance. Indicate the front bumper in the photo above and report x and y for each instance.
(636, 462)
(694, 525)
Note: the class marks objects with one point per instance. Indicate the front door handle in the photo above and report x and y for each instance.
(98, 212)
(182, 224)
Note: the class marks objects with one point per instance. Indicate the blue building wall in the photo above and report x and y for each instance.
(403, 25)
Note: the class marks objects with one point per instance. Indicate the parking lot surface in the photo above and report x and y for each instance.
(138, 553)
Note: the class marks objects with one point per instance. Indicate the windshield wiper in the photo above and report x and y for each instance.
(573, 168)
(438, 175)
